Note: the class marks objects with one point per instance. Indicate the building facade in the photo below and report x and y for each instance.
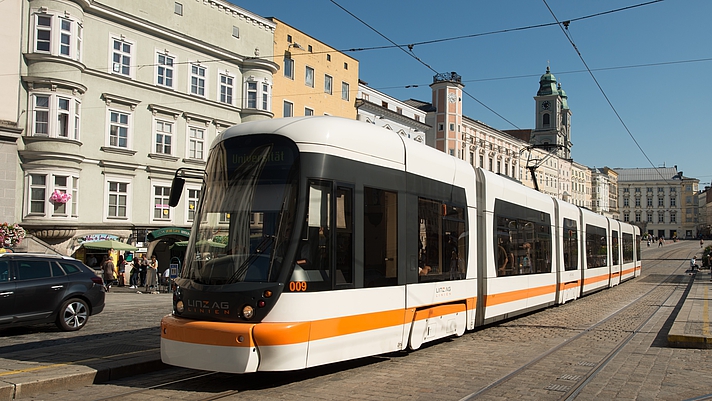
(374, 107)
(315, 79)
(121, 93)
(604, 192)
(656, 199)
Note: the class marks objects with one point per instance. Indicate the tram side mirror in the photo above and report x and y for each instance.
(176, 191)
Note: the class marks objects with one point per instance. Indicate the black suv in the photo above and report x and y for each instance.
(38, 288)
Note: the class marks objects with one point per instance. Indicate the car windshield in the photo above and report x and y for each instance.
(245, 212)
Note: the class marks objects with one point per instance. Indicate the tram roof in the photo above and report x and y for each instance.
(359, 140)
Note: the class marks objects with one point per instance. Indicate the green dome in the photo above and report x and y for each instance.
(564, 100)
(547, 84)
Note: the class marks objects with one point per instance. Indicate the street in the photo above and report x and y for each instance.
(503, 361)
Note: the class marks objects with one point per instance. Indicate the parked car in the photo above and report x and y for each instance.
(39, 288)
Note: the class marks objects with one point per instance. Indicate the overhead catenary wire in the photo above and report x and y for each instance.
(565, 30)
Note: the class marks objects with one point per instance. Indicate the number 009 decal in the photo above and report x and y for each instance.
(297, 286)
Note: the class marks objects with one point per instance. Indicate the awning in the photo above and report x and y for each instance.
(168, 231)
(109, 244)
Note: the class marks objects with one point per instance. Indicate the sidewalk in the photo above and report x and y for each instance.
(691, 328)
(123, 340)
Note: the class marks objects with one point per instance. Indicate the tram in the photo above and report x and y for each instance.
(321, 239)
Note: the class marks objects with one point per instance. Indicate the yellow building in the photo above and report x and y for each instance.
(315, 79)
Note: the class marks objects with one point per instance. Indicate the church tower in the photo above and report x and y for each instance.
(553, 118)
(447, 99)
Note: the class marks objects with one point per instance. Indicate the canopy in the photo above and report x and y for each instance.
(202, 243)
(109, 244)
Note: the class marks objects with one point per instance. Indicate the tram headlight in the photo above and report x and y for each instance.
(180, 307)
(248, 312)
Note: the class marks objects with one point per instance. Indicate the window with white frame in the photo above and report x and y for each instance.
(117, 202)
(55, 115)
(257, 94)
(328, 84)
(119, 129)
(197, 79)
(164, 137)
(288, 109)
(265, 97)
(196, 142)
(41, 114)
(65, 37)
(161, 210)
(345, 92)
(226, 88)
(121, 56)
(309, 77)
(43, 33)
(252, 95)
(164, 70)
(308, 111)
(52, 194)
(192, 204)
(59, 36)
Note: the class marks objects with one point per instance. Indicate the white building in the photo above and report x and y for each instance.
(117, 95)
(377, 108)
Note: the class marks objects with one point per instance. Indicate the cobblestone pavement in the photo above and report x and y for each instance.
(645, 369)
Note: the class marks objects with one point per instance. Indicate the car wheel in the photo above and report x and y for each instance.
(73, 314)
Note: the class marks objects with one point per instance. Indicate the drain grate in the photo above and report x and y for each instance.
(584, 363)
(558, 387)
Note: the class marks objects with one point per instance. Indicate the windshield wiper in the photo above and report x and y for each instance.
(263, 246)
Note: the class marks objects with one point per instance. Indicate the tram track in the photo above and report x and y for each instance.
(589, 345)
(560, 380)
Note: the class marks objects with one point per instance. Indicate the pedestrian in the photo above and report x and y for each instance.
(143, 265)
(107, 268)
(152, 275)
(702, 242)
(661, 241)
(134, 274)
(693, 265)
(121, 264)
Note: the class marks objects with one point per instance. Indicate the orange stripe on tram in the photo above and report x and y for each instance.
(511, 296)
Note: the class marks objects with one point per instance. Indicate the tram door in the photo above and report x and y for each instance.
(380, 238)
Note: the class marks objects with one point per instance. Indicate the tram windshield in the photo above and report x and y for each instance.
(246, 211)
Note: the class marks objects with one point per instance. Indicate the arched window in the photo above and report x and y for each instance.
(545, 120)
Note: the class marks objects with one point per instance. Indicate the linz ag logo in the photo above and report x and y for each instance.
(208, 307)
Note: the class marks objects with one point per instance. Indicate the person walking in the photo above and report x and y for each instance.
(152, 275)
(142, 266)
(107, 268)
(661, 241)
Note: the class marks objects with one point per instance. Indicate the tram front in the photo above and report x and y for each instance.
(239, 254)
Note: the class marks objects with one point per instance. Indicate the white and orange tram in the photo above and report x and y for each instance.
(321, 239)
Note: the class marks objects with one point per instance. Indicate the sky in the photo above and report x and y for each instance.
(646, 102)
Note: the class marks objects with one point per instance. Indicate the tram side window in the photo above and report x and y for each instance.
(380, 238)
(442, 251)
(627, 248)
(523, 235)
(344, 236)
(596, 248)
(637, 247)
(314, 256)
(571, 244)
(615, 248)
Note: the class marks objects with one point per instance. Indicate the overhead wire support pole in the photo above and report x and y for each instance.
(538, 162)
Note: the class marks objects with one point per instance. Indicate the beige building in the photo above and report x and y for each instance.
(315, 79)
(658, 200)
(118, 94)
